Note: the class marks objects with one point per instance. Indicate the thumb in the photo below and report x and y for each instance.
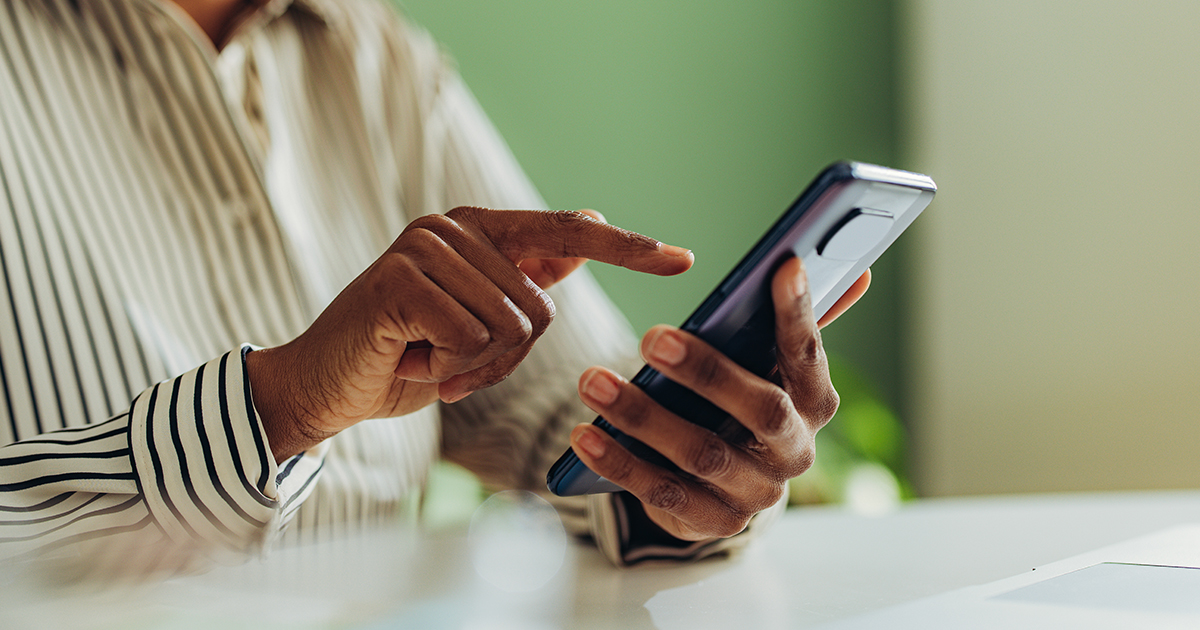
(799, 351)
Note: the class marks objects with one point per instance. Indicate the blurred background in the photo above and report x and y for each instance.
(1037, 330)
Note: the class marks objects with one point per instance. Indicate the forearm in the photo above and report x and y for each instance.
(187, 465)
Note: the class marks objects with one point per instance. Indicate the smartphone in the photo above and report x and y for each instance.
(839, 225)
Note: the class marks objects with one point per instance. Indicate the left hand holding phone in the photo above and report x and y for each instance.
(726, 479)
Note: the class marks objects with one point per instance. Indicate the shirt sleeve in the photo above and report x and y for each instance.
(511, 433)
(626, 537)
(183, 478)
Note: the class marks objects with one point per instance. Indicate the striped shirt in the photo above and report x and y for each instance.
(163, 204)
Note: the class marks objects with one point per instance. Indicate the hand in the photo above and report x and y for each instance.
(452, 306)
(724, 483)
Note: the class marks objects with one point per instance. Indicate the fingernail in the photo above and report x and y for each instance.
(458, 397)
(591, 444)
(800, 287)
(672, 250)
(666, 348)
(601, 388)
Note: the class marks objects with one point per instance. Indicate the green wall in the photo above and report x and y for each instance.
(695, 122)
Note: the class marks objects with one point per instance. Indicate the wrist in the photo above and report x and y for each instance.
(285, 422)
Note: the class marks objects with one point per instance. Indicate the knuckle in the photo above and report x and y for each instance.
(568, 217)
(730, 523)
(473, 338)
(425, 243)
(667, 494)
(825, 408)
(541, 315)
(707, 371)
(765, 496)
(809, 350)
(804, 458)
(631, 417)
(465, 213)
(572, 225)
(388, 273)
(621, 470)
(431, 224)
(776, 413)
(801, 352)
(712, 458)
(514, 332)
(630, 240)
(738, 524)
(771, 496)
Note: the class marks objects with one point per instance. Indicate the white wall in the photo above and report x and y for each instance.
(1057, 332)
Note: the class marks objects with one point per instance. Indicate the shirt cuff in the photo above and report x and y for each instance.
(203, 464)
(615, 517)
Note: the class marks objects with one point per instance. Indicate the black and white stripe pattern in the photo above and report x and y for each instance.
(195, 464)
(44, 505)
(161, 203)
(127, 255)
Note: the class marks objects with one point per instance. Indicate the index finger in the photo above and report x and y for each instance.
(848, 299)
(525, 234)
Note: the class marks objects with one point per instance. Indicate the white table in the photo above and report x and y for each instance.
(815, 565)
(823, 564)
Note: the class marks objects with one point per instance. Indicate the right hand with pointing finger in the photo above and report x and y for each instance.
(453, 306)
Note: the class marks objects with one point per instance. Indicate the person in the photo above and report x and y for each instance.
(184, 179)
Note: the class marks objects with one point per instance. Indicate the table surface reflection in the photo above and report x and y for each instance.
(816, 565)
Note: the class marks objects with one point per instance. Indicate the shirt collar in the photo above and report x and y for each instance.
(269, 10)
(322, 9)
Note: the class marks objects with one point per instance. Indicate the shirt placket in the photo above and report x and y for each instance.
(235, 113)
